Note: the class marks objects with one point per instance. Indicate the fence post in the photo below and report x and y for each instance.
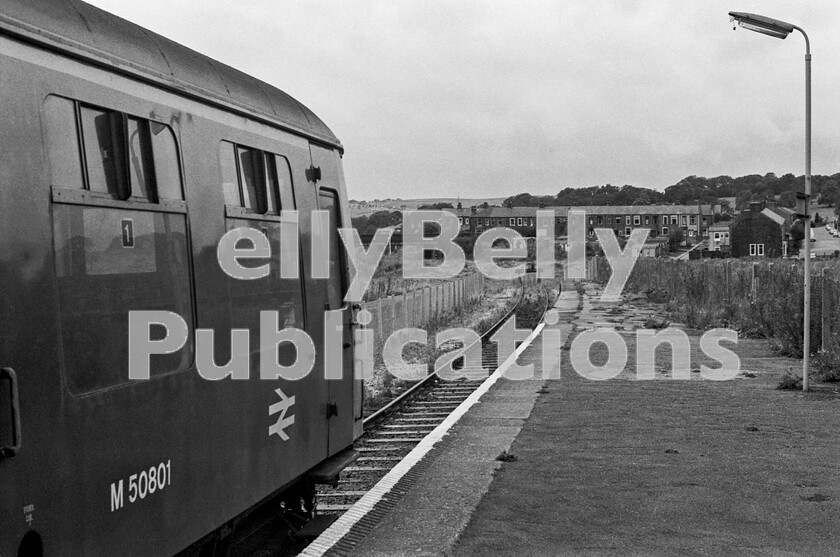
(728, 279)
(754, 284)
(825, 311)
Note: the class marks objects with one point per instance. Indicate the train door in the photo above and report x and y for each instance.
(342, 409)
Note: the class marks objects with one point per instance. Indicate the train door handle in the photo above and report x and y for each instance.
(8, 374)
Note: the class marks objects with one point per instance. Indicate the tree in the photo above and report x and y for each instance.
(436, 206)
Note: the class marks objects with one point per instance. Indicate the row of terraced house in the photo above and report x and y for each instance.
(694, 220)
(761, 231)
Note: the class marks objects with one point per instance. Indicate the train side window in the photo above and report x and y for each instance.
(140, 167)
(109, 152)
(167, 167)
(272, 193)
(62, 140)
(252, 179)
(284, 182)
(230, 182)
(102, 131)
(258, 181)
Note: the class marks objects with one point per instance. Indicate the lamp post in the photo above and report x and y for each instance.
(781, 30)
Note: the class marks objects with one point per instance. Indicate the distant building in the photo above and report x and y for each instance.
(719, 239)
(759, 232)
(694, 220)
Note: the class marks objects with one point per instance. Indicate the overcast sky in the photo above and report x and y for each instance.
(492, 98)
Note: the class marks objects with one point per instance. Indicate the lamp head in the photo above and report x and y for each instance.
(761, 24)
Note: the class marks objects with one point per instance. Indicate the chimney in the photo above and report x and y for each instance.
(473, 209)
(459, 205)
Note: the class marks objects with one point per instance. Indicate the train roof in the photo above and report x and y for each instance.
(96, 36)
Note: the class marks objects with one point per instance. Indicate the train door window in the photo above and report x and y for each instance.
(328, 201)
(118, 247)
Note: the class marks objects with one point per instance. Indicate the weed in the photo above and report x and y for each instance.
(655, 323)
(790, 382)
(506, 457)
(826, 363)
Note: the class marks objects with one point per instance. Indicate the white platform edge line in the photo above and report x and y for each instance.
(342, 526)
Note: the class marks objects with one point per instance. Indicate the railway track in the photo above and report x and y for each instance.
(393, 431)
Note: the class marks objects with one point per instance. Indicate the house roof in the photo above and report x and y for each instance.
(777, 218)
(784, 212)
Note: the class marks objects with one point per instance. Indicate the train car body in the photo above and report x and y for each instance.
(124, 159)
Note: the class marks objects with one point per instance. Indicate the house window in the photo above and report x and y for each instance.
(519, 221)
(760, 249)
(647, 220)
(486, 222)
(636, 220)
(609, 220)
(693, 219)
(684, 220)
(460, 220)
(600, 220)
(673, 219)
(691, 233)
(627, 219)
(590, 220)
(664, 230)
(513, 222)
(752, 249)
(627, 231)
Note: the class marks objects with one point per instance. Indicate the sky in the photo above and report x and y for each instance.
(440, 98)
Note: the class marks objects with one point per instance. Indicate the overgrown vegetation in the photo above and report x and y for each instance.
(762, 300)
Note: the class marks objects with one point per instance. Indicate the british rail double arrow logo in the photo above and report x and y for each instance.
(283, 422)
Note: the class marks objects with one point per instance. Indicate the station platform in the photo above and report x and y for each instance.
(619, 467)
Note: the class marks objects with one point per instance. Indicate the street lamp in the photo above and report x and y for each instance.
(780, 30)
